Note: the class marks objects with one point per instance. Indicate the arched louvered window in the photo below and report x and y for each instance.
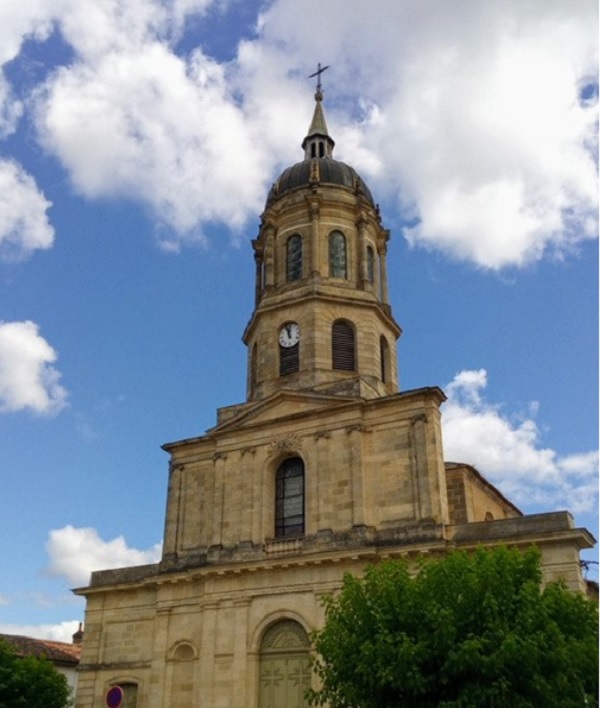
(289, 360)
(384, 350)
(337, 255)
(370, 264)
(294, 258)
(289, 498)
(342, 346)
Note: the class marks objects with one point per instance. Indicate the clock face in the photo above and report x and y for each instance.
(289, 335)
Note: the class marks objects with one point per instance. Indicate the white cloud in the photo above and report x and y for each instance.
(156, 128)
(59, 632)
(510, 453)
(76, 552)
(24, 225)
(479, 126)
(468, 117)
(27, 378)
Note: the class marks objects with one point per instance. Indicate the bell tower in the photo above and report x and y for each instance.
(322, 321)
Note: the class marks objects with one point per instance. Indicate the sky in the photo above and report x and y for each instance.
(138, 141)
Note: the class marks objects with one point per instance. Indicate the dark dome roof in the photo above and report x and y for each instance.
(324, 170)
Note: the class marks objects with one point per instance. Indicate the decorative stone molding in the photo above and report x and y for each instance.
(283, 545)
(285, 443)
(358, 427)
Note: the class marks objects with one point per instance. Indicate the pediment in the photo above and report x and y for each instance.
(281, 405)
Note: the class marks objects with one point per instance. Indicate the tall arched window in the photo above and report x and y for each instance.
(289, 498)
(294, 258)
(384, 350)
(370, 264)
(342, 346)
(337, 255)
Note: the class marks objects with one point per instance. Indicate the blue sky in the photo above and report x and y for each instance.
(138, 141)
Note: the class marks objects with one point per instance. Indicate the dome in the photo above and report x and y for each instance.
(318, 166)
(318, 170)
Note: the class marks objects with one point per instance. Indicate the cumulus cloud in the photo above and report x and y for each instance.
(76, 552)
(59, 632)
(27, 378)
(509, 451)
(475, 120)
(156, 128)
(480, 126)
(24, 225)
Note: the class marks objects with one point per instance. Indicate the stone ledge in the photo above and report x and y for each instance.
(521, 526)
(116, 576)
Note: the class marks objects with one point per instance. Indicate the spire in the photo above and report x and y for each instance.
(317, 142)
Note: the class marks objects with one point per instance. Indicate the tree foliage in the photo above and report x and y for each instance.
(30, 682)
(474, 631)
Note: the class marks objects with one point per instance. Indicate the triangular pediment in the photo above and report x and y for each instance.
(281, 405)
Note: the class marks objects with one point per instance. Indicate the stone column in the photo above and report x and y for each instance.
(355, 434)
(269, 258)
(218, 497)
(173, 516)
(383, 278)
(207, 653)
(246, 501)
(160, 667)
(315, 272)
(363, 276)
(239, 674)
(321, 500)
(259, 284)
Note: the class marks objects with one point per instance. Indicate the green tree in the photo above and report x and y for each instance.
(471, 630)
(30, 682)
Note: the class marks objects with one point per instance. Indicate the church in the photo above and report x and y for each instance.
(326, 467)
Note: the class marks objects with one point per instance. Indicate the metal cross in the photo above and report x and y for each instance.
(318, 73)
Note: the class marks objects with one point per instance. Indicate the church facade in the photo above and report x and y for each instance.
(326, 467)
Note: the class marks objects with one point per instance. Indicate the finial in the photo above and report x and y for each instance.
(318, 72)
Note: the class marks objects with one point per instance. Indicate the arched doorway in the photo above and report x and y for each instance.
(284, 667)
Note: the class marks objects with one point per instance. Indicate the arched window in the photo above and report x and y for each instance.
(294, 258)
(284, 673)
(342, 346)
(384, 351)
(289, 498)
(337, 255)
(370, 264)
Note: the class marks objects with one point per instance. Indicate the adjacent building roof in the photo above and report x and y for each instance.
(60, 653)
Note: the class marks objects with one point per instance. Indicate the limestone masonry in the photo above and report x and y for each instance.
(326, 467)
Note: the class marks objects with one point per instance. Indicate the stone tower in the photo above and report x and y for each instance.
(325, 467)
